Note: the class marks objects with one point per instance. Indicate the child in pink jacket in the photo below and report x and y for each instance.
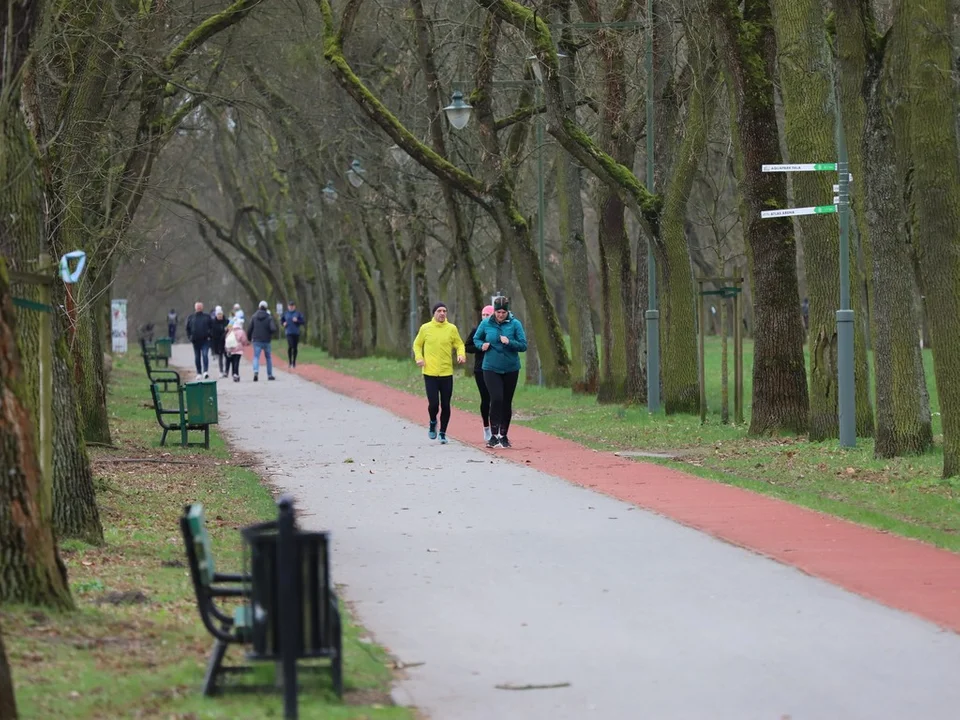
(235, 342)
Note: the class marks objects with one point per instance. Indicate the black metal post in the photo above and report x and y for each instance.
(286, 569)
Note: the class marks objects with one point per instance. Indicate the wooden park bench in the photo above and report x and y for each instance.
(298, 603)
(175, 420)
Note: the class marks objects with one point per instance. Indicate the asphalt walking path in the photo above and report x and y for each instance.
(493, 580)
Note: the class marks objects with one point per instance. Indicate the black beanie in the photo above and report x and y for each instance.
(438, 306)
(501, 302)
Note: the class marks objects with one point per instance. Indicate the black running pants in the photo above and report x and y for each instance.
(501, 387)
(293, 342)
(439, 392)
(484, 398)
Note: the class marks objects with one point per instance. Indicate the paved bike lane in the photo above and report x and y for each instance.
(511, 573)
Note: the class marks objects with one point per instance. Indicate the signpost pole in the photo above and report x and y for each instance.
(845, 381)
(846, 395)
(653, 309)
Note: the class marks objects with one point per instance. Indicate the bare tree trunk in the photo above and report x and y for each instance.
(585, 363)
(811, 119)
(30, 567)
(8, 701)
(935, 195)
(903, 411)
(780, 398)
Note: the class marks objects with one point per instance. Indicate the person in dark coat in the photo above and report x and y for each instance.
(198, 332)
(478, 373)
(260, 331)
(218, 338)
(292, 321)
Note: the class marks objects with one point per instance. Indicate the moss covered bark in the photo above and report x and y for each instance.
(681, 387)
(934, 195)
(903, 411)
(746, 42)
(30, 568)
(805, 68)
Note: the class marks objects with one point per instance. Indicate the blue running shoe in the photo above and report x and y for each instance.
(443, 438)
(432, 432)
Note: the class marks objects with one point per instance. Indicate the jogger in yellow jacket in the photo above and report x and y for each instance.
(433, 350)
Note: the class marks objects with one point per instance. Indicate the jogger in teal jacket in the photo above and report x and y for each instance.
(502, 339)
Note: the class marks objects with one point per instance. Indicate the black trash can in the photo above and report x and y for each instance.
(313, 621)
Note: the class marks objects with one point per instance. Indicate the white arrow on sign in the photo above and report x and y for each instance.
(789, 212)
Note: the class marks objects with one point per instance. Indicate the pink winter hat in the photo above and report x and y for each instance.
(487, 309)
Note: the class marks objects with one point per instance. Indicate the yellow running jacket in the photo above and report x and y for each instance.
(435, 344)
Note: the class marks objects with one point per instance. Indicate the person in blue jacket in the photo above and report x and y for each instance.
(501, 338)
(292, 320)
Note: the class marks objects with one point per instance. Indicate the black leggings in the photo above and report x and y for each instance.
(484, 398)
(293, 342)
(233, 363)
(501, 387)
(439, 391)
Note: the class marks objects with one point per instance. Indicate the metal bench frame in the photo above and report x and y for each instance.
(210, 586)
(239, 628)
(181, 425)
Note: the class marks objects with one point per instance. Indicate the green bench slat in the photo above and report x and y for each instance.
(201, 544)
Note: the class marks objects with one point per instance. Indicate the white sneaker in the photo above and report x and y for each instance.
(199, 377)
(486, 434)
(206, 376)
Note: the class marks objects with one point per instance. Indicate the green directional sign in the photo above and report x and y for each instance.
(792, 212)
(799, 167)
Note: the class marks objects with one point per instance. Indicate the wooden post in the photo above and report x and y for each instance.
(46, 389)
(701, 311)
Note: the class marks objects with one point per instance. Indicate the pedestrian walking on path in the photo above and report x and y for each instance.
(172, 325)
(478, 373)
(292, 320)
(218, 338)
(433, 350)
(502, 339)
(260, 331)
(198, 332)
(234, 344)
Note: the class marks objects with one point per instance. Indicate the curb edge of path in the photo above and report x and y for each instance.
(898, 572)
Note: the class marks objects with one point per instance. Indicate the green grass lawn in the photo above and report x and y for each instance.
(902, 495)
(136, 647)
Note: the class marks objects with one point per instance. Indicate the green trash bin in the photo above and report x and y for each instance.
(201, 401)
(163, 347)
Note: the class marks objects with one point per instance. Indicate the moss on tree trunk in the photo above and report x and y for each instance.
(935, 196)
(903, 411)
(810, 119)
(780, 399)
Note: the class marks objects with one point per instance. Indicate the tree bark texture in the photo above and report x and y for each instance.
(780, 399)
(805, 68)
(585, 363)
(31, 571)
(75, 512)
(681, 387)
(934, 196)
(903, 410)
(616, 284)
(8, 701)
